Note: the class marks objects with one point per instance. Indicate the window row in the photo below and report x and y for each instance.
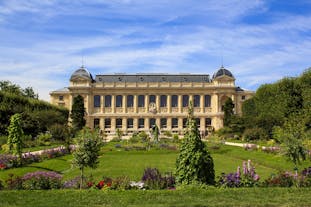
(152, 123)
(152, 99)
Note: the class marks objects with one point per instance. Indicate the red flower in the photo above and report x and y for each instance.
(101, 184)
(2, 166)
(109, 185)
(90, 184)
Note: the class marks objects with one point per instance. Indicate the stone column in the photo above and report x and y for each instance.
(191, 99)
(113, 125)
(169, 103)
(124, 125)
(180, 129)
(169, 123)
(113, 103)
(135, 124)
(101, 123)
(158, 102)
(147, 124)
(147, 103)
(214, 103)
(202, 103)
(102, 104)
(135, 103)
(124, 103)
(179, 103)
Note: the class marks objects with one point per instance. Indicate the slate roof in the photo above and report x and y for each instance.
(153, 78)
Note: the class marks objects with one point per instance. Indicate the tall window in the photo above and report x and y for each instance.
(207, 101)
(208, 122)
(96, 101)
(184, 123)
(141, 101)
(107, 123)
(118, 123)
(196, 101)
(129, 123)
(152, 99)
(174, 100)
(130, 101)
(152, 123)
(163, 101)
(163, 122)
(174, 123)
(108, 101)
(198, 122)
(141, 123)
(185, 100)
(96, 123)
(60, 98)
(118, 101)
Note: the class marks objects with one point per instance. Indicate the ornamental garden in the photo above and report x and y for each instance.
(272, 137)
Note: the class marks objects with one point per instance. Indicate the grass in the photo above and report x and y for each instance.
(181, 197)
(117, 162)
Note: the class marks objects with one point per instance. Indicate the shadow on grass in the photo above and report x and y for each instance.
(45, 168)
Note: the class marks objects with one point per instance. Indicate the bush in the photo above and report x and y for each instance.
(167, 134)
(134, 139)
(283, 179)
(153, 179)
(42, 180)
(59, 132)
(44, 139)
(121, 183)
(14, 182)
(3, 140)
(254, 134)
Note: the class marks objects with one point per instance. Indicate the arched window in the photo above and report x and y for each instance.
(163, 122)
(152, 122)
(207, 101)
(96, 123)
(107, 123)
(141, 101)
(141, 123)
(96, 101)
(174, 123)
(196, 101)
(130, 101)
(163, 101)
(118, 123)
(108, 101)
(185, 100)
(174, 101)
(152, 99)
(119, 101)
(130, 123)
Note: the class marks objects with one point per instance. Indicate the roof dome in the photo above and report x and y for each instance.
(82, 73)
(222, 71)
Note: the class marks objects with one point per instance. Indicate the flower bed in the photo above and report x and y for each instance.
(10, 161)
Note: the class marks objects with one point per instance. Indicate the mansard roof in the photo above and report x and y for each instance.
(153, 77)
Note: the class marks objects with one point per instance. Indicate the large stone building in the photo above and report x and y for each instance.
(136, 102)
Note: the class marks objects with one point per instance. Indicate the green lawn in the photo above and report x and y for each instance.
(117, 162)
(183, 197)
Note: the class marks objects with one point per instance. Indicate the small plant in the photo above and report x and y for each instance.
(153, 179)
(121, 183)
(42, 180)
(14, 182)
(44, 139)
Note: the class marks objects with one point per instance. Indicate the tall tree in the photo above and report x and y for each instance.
(7, 86)
(228, 111)
(77, 113)
(87, 151)
(29, 92)
(15, 135)
(194, 163)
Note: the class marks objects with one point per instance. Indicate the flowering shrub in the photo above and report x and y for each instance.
(42, 180)
(250, 146)
(283, 179)
(153, 179)
(10, 161)
(121, 183)
(72, 184)
(248, 178)
(273, 149)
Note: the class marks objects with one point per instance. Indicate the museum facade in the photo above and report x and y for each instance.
(136, 102)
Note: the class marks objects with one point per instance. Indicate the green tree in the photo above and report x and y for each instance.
(29, 92)
(292, 136)
(228, 111)
(15, 135)
(8, 87)
(77, 113)
(194, 163)
(87, 151)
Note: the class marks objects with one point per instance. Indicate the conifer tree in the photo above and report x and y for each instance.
(77, 113)
(194, 163)
(228, 111)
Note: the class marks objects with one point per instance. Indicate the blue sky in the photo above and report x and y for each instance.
(43, 41)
